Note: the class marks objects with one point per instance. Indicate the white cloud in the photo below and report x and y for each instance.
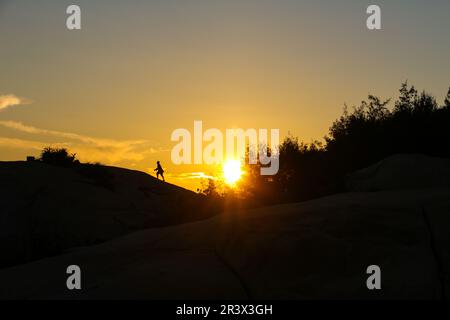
(88, 148)
(11, 100)
(192, 175)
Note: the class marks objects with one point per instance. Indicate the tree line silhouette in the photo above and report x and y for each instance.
(362, 136)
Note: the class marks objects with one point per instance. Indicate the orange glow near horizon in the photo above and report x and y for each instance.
(232, 171)
(231, 64)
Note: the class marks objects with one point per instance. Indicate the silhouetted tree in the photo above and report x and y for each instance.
(360, 137)
(209, 188)
(447, 99)
(405, 102)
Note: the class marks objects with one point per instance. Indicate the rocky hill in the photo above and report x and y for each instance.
(314, 249)
(46, 209)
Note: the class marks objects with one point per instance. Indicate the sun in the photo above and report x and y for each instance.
(232, 171)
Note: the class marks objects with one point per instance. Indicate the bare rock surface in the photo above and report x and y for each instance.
(47, 209)
(402, 171)
(315, 249)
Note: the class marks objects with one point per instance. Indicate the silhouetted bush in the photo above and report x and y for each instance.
(97, 172)
(58, 157)
(209, 188)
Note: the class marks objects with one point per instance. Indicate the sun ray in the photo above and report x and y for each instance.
(232, 171)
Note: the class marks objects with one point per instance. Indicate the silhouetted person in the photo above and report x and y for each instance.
(159, 171)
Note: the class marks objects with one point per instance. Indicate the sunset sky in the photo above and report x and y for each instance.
(114, 91)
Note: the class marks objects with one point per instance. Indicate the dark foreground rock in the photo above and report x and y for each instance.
(402, 171)
(47, 209)
(316, 249)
